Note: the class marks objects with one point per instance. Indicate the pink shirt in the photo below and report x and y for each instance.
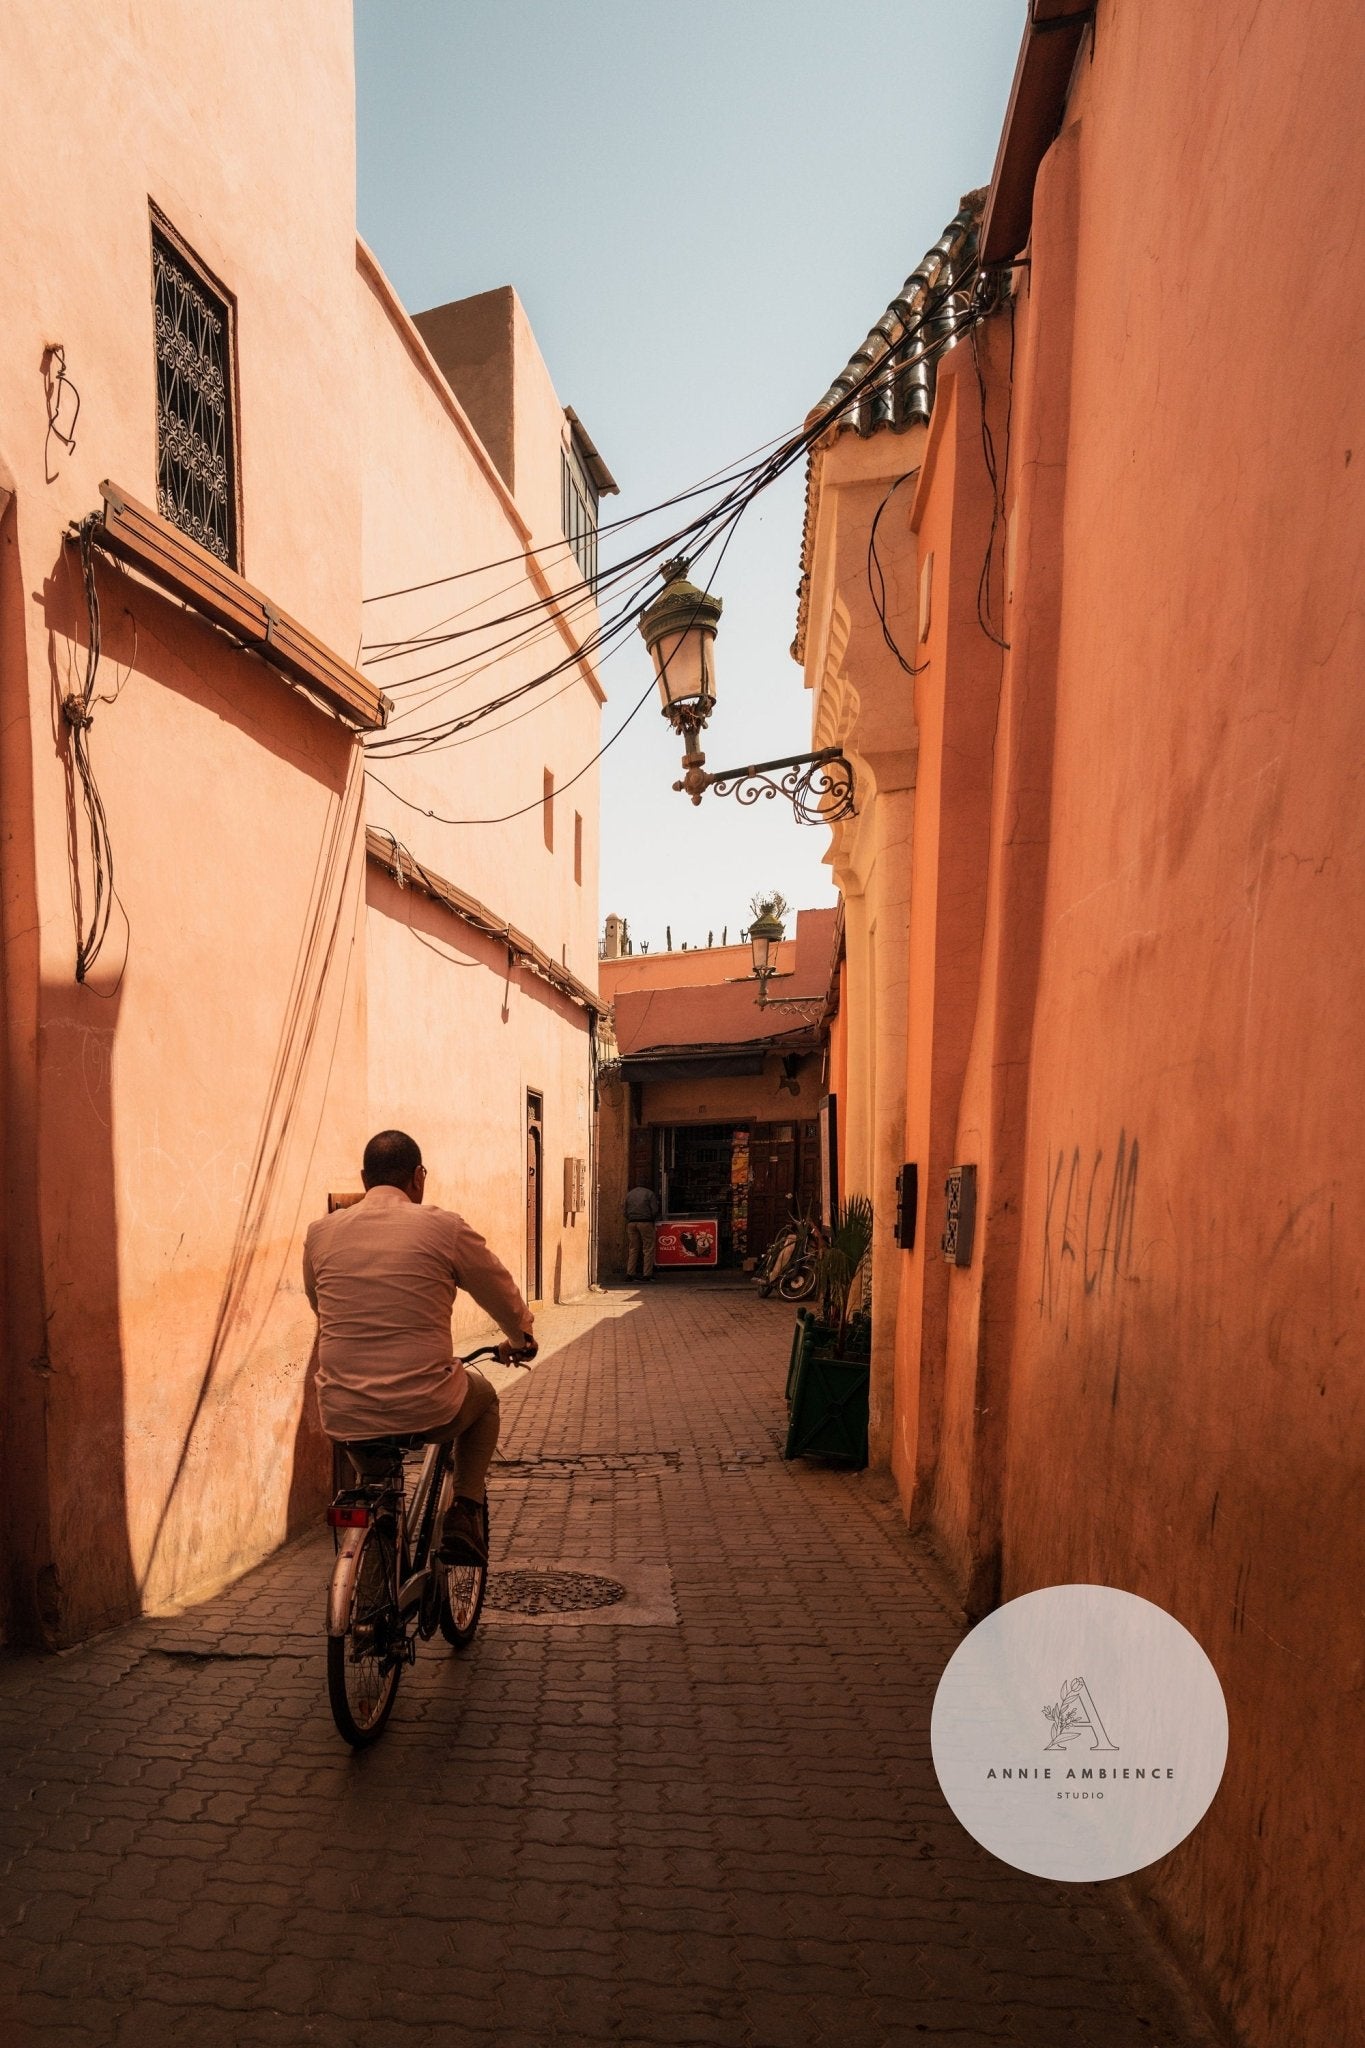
(382, 1277)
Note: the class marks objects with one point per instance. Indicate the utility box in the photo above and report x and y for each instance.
(575, 1186)
(959, 1223)
(907, 1204)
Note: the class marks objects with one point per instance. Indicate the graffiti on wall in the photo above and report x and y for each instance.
(1087, 1224)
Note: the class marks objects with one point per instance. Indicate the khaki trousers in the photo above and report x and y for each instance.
(639, 1246)
(473, 1430)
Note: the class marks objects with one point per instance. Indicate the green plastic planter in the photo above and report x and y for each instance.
(827, 1400)
(801, 1338)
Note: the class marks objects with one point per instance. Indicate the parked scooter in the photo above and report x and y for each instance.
(787, 1268)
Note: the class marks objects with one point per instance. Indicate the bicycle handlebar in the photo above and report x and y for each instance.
(491, 1351)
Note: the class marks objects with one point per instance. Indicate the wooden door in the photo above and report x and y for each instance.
(772, 1185)
(535, 1207)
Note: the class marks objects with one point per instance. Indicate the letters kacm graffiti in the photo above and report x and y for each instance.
(1089, 1230)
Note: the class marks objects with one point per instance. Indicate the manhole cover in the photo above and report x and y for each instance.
(552, 1592)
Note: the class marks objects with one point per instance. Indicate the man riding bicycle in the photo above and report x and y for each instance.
(382, 1276)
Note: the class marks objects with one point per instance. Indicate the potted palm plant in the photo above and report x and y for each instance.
(827, 1383)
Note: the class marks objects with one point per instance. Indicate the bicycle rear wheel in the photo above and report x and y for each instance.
(365, 1664)
(462, 1591)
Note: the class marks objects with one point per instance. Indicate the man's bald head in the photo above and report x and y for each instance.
(392, 1160)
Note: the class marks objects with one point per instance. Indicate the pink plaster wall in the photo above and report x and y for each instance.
(455, 1045)
(164, 1135)
(454, 1048)
(167, 1136)
(433, 502)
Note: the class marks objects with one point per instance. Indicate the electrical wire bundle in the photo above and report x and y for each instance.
(78, 713)
(729, 495)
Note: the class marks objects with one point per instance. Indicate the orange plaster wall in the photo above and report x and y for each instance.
(1194, 1225)
(838, 1067)
(1164, 1323)
(735, 1097)
(954, 709)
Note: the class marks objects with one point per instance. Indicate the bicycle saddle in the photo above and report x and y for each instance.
(386, 1446)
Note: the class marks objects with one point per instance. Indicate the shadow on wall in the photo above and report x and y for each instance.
(68, 1561)
(82, 1569)
(268, 1235)
(312, 1475)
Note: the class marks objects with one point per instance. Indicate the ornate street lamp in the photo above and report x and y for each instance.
(679, 629)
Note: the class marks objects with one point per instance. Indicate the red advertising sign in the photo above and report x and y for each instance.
(691, 1241)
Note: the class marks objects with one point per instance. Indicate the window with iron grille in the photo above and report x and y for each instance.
(578, 508)
(196, 483)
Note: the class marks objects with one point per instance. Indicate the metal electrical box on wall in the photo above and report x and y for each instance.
(959, 1223)
(907, 1205)
(575, 1186)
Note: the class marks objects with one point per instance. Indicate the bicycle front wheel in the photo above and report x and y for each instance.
(365, 1664)
(462, 1597)
(797, 1282)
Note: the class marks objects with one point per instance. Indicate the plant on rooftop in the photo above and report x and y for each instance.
(841, 1262)
(770, 903)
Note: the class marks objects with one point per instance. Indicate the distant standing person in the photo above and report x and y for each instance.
(641, 1207)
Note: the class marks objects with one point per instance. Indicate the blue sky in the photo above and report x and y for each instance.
(703, 210)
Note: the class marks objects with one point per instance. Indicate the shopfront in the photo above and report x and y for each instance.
(726, 1189)
(718, 1103)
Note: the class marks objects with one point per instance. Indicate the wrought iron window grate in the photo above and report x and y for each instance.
(196, 488)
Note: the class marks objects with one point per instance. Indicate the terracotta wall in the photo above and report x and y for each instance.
(838, 1068)
(955, 699)
(1134, 981)
(698, 967)
(1193, 1227)
(856, 652)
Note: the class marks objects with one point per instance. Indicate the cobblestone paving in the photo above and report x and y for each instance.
(718, 1827)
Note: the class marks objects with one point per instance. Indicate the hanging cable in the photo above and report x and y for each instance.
(876, 577)
(696, 538)
(999, 479)
(578, 775)
(742, 485)
(716, 477)
(78, 716)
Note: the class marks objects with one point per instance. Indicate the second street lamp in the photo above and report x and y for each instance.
(679, 629)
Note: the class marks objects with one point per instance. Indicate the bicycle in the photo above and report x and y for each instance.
(388, 1586)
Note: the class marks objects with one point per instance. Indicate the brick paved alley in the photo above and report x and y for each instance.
(706, 1815)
